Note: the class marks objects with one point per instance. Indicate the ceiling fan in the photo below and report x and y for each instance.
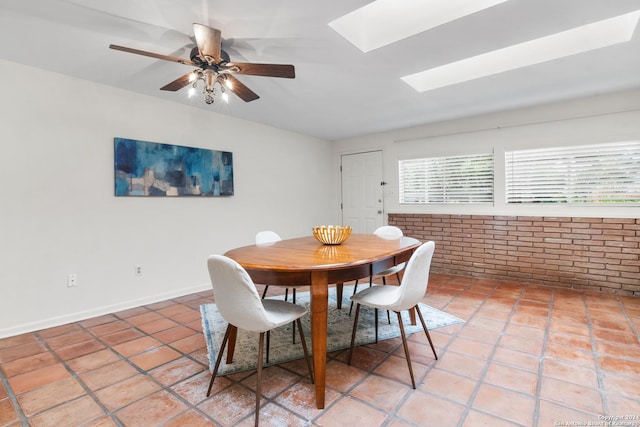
(213, 66)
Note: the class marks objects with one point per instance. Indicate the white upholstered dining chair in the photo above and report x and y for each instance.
(263, 238)
(240, 305)
(398, 298)
(386, 232)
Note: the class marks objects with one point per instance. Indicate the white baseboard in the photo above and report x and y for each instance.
(99, 311)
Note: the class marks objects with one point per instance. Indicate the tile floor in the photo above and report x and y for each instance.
(526, 356)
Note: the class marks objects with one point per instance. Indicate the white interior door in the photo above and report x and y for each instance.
(362, 191)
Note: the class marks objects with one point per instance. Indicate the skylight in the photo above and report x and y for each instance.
(383, 22)
(593, 36)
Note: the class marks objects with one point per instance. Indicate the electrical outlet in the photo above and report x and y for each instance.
(72, 280)
(138, 270)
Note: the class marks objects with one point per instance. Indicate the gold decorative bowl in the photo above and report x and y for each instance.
(331, 234)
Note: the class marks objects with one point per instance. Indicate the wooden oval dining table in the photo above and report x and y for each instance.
(305, 261)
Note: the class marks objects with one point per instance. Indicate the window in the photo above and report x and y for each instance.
(602, 173)
(456, 179)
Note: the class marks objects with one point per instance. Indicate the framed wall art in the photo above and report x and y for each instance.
(165, 170)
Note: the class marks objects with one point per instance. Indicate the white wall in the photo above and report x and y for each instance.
(605, 118)
(59, 214)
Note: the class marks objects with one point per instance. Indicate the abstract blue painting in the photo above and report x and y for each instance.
(152, 169)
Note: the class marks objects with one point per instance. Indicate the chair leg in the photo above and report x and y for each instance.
(268, 344)
(259, 379)
(219, 358)
(426, 331)
(384, 283)
(286, 294)
(305, 350)
(353, 333)
(376, 323)
(294, 323)
(355, 288)
(406, 348)
(264, 293)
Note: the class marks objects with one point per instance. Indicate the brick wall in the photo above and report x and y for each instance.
(589, 253)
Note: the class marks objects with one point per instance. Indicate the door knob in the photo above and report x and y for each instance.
(379, 211)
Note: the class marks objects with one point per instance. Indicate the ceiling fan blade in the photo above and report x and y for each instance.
(237, 87)
(178, 83)
(152, 55)
(267, 70)
(208, 40)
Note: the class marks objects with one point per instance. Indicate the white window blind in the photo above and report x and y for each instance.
(455, 179)
(601, 173)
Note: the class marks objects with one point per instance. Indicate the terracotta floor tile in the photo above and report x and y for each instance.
(68, 339)
(92, 361)
(190, 343)
(187, 316)
(229, 405)
(173, 310)
(96, 321)
(520, 330)
(480, 334)
(506, 404)
(511, 378)
(125, 392)
(59, 330)
(125, 314)
(107, 375)
(20, 351)
(194, 389)
(621, 384)
(74, 413)
(151, 410)
(137, 346)
(396, 368)
(17, 340)
(157, 325)
(37, 378)
(154, 357)
(105, 421)
(559, 326)
(618, 405)
(272, 415)
(176, 371)
(472, 348)
(122, 336)
(27, 364)
(569, 340)
(517, 359)
(50, 395)
(193, 418)
(570, 372)
(80, 349)
(301, 399)
(274, 381)
(618, 351)
(380, 392)
(341, 376)
(428, 410)
(174, 334)
(569, 354)
(351, 412)
(626, 367)
(475, 419)
(462, 365)
(571, 395)
(552, 414)
(522, 343)
(141, 319)
(616, 337)
(448, 386)
(3, 391)
(8, 414)
(365, 358)
(109, 328)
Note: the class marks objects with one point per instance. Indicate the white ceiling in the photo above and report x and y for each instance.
(339, 92)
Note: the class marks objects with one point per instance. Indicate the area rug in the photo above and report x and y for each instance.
(339, 328)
